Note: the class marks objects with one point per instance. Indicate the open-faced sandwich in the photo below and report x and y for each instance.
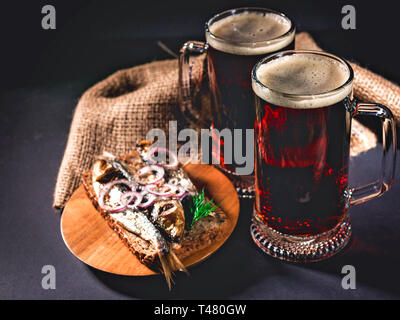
(154, 207)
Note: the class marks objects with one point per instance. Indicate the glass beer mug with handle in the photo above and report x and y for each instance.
(304, 108)
(235, 40)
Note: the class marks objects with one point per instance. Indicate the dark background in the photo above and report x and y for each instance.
(43, 74)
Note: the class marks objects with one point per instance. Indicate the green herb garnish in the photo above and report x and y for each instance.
(200, 207)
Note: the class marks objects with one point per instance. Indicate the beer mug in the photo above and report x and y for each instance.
(304, 108)
(235, 40)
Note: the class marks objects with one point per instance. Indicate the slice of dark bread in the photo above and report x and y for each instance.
(204, 232)
(143, 250)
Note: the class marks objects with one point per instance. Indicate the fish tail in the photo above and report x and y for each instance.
(166, 269)
(170, 263)
(176, 263)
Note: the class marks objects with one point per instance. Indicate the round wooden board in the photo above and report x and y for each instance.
(88, 236)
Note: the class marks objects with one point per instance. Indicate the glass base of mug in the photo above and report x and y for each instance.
(300, 249)
(244, 184)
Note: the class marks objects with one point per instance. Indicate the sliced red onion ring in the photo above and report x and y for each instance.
(132, 199)
(166, 190)
(150, 199)
(173, 159)
(180, 192)
(145, 170)
(106, 189)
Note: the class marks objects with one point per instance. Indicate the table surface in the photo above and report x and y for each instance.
(44, 74)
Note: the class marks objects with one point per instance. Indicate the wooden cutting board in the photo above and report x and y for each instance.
(88, 236)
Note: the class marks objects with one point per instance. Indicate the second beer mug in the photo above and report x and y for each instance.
(236, 40)
(304, 107)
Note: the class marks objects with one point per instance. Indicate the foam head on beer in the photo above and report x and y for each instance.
(250, 33)
(318, 81)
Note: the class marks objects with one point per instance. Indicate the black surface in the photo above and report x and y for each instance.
(45, 72)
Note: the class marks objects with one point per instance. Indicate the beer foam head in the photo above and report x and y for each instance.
(303, 80)
(250, 33)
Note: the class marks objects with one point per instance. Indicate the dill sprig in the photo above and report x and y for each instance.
(200, 207)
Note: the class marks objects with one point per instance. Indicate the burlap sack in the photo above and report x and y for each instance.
(112, 115)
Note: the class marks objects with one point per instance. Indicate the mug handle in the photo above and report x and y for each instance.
(375, 189)
(188, 51)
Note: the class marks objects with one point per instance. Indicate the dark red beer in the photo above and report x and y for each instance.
(301, 167)
(230, 84)
(237, 40)
(302, 134)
